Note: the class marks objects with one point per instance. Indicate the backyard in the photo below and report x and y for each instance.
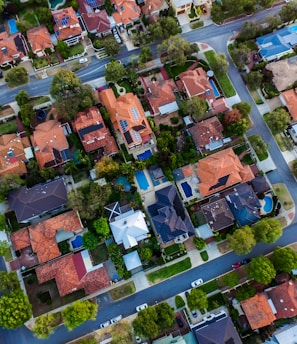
(99, 254)
(9, 127)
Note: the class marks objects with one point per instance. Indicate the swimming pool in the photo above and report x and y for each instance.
(124, 181)
(268, 204)
(214, 88)
(77, 242)
(187, 189)
(141, 180)
(145, 155)
(293, 28)
(56, 3)
(12, 26)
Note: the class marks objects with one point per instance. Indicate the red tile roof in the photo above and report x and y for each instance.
(258, 311)
(219, 105)
(222, 165)
(187, 171)
(290, 98)
(127, 11)
(66, 23)
(93, 133)
(151, 6)
(195, 83)
(8, 49)
(64, 271)
(39, 39)
(20, 239)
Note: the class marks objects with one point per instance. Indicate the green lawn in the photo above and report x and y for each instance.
(40, 63)
(222, 78)
(175, 70)
(259, 147)
(39, 100)
(171, 250)
(215, 301)
(126, 85)
(99, 254)
(76, 49)
(169, 271)
(209, 286)
(8, 127)
(122, 291)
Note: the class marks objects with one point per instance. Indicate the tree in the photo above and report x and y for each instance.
(2, 3)
(22, 97)
(284, 259)
(9, 182)
(121, 333)
(78, 313)
(199, 243)
(238, 128)
(278, 120)
(232, 116)
(114, 71)
(4, 248)
(166, 142)
(267, 230)
(64, 84)
(145, 253)
(90, 240)
(107, 168)
(102, 228)
(179, 301)
(254, 79)
(2, 223)
(145, 55)
(288, 12)
(261, 270)
(8, 282)
(197, 299)
(220, 64)
(244, 108)
(249, 30)
(231, 279)
(45, 16)
(294, 168)
(17, 76)
(242, 240)
(26, 114)
(89, 340)
(47, 173)
(177, 49)
(15, 309)
(240, 55)
(146, 323)
(166, 316)
(273, 21)
(111, 47)
(195, 107)
(63, 49)
(245, 292)
(164, 28)
(45, 325)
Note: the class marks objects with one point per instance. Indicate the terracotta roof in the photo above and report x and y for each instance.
(64, 271)
(218, 214)
(290, 98)
(204, 131)
(161, 93)
(20, 239)
(258, 311)
(219, 105)
(39, 39)
(152, 6)
(187, 171)
(96, 21)
(8, 49)
(43, 234)
(49, 141)
(284, 298)
(127, 116)
(126, 11)
(195, 83)
(220, 171)
(66, 23)
(12, 154)
(93, 133)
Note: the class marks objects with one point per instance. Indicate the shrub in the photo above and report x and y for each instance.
(204, 256)
(199, 243)
(179, 302)
(174, 120)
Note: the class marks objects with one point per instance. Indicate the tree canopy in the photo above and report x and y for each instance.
(107, 168)
(261, 270)
(17, 76)
(245, 292)
(195, 107)
(8, 282)
(254, 79)
(114, 71)
(121, 333)
(9, 182)
(15, 309)
(164, 28)
(267, 230)
(78, 313)
(242, 240)
(288, 12)
(278, 120)
(101, 227)
(284, 259)
(111, 47)
(197, 299)
(220, 64)
(90, 240)
(22, 97)
(45, 325)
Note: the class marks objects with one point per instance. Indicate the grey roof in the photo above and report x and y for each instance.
(260, 184)
(41, 198)
(132, 260)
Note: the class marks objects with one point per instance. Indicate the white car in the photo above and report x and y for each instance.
(105, 324)
(116, 319)
(83, 60)
(141, 307)
(195, 284)
(138, 339)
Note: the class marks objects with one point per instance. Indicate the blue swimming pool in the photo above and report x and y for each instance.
(141, 180)
(268, 204)
(145, 155)
(214, 88)
(12, 26)
(124, 181)
(293, 28)
(77, 242)
(187, 189)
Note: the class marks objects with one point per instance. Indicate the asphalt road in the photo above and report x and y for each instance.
(217, 37)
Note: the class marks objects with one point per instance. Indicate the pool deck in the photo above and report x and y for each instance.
(262, 202)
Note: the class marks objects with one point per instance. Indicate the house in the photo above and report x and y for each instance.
(43, 237)
(169, 339)
(260, 185)
(15, 151)
(50, 144)
(277, 44)
(284, 299)
(216, 329)
(218, 214)
(132, 262)
(30, 203)
(13, 49)
(289, 100)
(244, 204)
(285, 334)
(181, 6)
(258, 311)
(126, 12)
(169, 217)
(67, 27)
(74, 272)
(129, 228)
(153, 7)
(95, 17)
(161, 97)
(129, 121)
(39, 40)
(207, 134)
(93, 133)
(282, 73)
(220, 171)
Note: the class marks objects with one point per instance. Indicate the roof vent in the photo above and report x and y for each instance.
(281, 300)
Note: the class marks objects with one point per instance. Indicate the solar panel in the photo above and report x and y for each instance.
(58, 33)
(123, 124)
(56, 20)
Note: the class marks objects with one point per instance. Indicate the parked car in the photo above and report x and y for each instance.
(141, 307)
(245, 261)
(105, 324)
(196, 283)
(83, 60)
(179, 322)
(1, 74)
(138, 339)
(236, 265)
(194, 313)
(116, 319)
(187, 294)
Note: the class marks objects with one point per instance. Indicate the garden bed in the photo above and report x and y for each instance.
(99, 254)
(9, 127)
(122, 291)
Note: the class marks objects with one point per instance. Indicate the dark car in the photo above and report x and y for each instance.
(187, 294)
(1, 74)
(179, 322)
(245, 261)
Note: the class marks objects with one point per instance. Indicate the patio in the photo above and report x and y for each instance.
(26, 258)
